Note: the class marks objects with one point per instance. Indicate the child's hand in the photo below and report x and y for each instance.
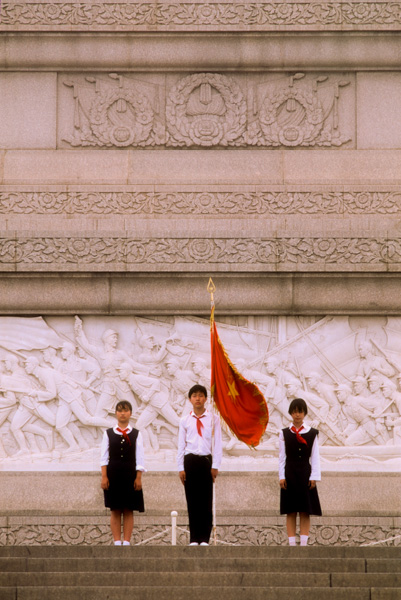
(283, 484)
(312, 484)
(138, 483)
(104, 484)
(182, 476)
(214, 473)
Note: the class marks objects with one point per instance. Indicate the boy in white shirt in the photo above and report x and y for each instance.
(198, 459)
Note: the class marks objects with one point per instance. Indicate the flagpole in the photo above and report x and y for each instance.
(211, 288)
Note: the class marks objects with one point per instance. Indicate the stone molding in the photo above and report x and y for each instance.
(323, 253)
(260, 532)
(197, 16)
(285, 293)
(208, 51)
(270, 201)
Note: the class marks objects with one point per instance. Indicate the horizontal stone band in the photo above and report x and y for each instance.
(171, 254)
(151, 16)
(274, 202)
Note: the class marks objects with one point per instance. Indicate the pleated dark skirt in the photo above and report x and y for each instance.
(121, 494)
(298, 497)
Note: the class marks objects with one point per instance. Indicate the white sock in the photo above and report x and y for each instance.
(291, 541)
(117, 543)
(125, 543)
(304, 540)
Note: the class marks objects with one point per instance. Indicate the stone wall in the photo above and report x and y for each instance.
(147, 146)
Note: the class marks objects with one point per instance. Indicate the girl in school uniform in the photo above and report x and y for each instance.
(299, 469)
(122, 464)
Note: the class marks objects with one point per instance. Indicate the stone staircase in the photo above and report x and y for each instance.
(199, 573)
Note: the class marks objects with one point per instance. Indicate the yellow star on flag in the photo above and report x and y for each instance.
(233, 390)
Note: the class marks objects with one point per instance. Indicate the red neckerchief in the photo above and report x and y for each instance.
(124, 432)
(199, 424)
(300, 439)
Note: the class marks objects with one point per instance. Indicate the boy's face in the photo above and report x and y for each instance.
(123, 415)
(198, 401)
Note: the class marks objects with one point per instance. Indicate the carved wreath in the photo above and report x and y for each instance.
(206, 129)
(302, 134)
(110, 134)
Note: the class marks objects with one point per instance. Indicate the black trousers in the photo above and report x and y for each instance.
(199, 495)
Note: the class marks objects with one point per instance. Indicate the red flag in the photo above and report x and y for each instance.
(240, 402)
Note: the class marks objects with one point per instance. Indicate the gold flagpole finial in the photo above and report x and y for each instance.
(211, 288)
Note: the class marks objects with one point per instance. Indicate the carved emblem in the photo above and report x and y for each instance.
(306, 115)
(206, 109)
(113, 113)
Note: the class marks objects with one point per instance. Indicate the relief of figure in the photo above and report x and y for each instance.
(82, 370)
(51, 358)
(203, 373)
(154, 395)
(360, 411)
(372, 364)
(58, 385)
(392, 409)
(360, 386)
(113, 388)
(326, 392)
(182, 381)
(8, 402)
(153, 353)
(275, 392)
(25, 424)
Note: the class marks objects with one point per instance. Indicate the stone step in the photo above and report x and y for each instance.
(226, 579)
(215, 551)
(294, 565)
(195, 593)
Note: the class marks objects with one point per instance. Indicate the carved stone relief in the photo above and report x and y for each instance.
(299, 114)
(114, 111)
(271, 201)
(238, 534)
(124, 253)
(206, 110)
(61, 377)
(185, 15)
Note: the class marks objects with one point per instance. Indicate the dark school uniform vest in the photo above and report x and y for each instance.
(120, 451)
(296, 452)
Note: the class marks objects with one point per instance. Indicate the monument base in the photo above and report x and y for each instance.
(67, 508)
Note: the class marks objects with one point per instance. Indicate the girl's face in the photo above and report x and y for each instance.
(297, 417)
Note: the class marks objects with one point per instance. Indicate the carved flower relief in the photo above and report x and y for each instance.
(205, 109)
(205, 203)
(201, 250)
(360, 12)
(324, 247)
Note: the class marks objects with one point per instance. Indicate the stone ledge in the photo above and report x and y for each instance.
(137, 51)
(233, 168)
(185, 293)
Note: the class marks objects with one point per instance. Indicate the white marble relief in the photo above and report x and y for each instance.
(114, 110)
(206, 110)
(60, 378)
